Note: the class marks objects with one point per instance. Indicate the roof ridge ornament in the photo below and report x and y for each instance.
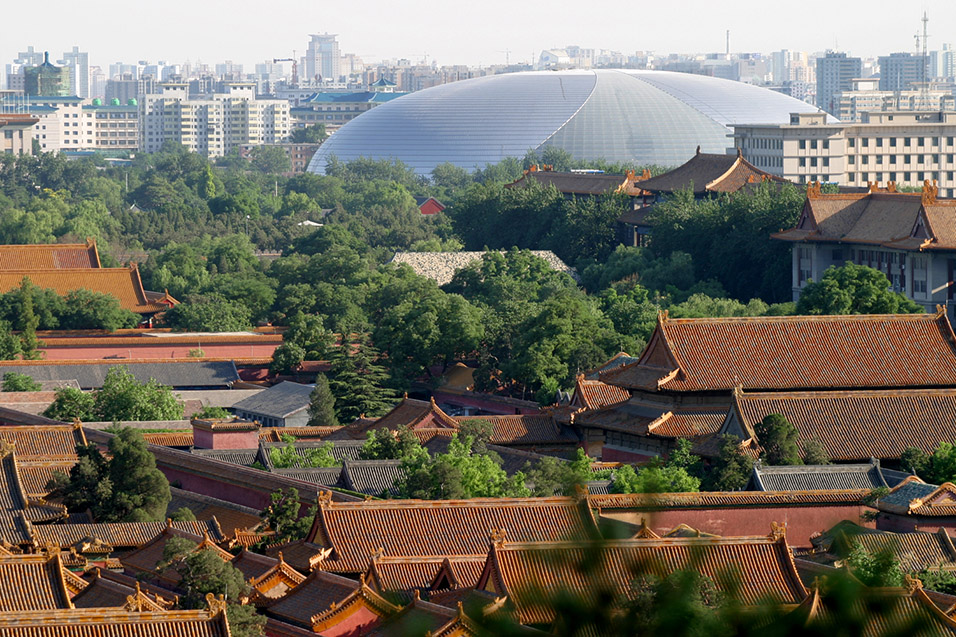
(778, 532)
(928, 195)
(814, 189)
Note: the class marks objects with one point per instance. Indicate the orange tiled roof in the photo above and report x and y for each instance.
(594, 394)
(642, 418)
(416, 528)
(49, 256)
(277, 580)
(32, 582)
(404, 574)
(103, 592)
(794, 352)
(118, 535)
(35, 475)
(17, 510)
(44, 442)
(122, 283)
(148, 556)
(764, 566)
(182, 438)
(314, 595)
(860, 424)
(524, 429)
(116, 622)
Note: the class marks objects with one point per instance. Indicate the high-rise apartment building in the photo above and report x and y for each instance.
(79, 64)
(942, 64)
(322, 59)
(835, 73)
(901, 71)
(211, 125)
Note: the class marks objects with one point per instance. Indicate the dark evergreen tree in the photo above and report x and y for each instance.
(357, 380)
(778, 438)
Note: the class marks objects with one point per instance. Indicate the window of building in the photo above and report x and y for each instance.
(803, 162)
(907, 141)
(804, 265)
(907, 159)
(865, 142)
(851, 160)
(892, 142)
(879, 142)
(852, 142)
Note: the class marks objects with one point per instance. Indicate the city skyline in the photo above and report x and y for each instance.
(216, 31)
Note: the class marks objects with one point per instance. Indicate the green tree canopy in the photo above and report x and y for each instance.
(124, 487)
(778, 439)
(283, 516)
(71, 404)
(14, 381)
(208, 313)
(322, 404)
(122, 397)
(853, 289)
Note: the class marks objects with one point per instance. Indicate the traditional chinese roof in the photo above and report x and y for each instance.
(525, 429)
(131, 621)
(579, 183)
(403, 574)
(273, 434)
(102, 592)
(817, 477)
(912, 496)
(908, 221)
(706, 172)
(763, 567)
(170, 438)
(794, 352)
(49, 441)
(372, 477)
(419, 618)
(32, 582)
(275, 581)
(279, 401)
(145, 559)
(915, 550)
(179, 373)
(642, 418)
(314, 595)
(356, 530)
(123, 284)
(117, 535)
(17, 509)
(49, 256)
(594, 394)
(302, 555)
(903, 610)
(857, 425)
(723, 499)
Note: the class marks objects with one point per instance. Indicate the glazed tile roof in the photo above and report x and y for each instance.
(525, 429)
(905, 221)
(145, 558)
(322, 476)
(179, 373)
(404, 574)
(794, 352)
(642, 418)
(414, 618)
(35, 475)
(416, 528)
(244, 457)
(275, 581)
(341, 450)
(722, 499)
(580, 183)
(858, 425)
(707, 172)
(316, 594)
(32, 582)
(17, 509)
(106, 592)
(114, 622)
(915, 550)
(371, 477)
(593, 394)
(170, 439)
(279, 401)
(122, 283)
(621, 358)
(272, 434)
(300, 554)
(764, 566)
(119, 535)
(49, 256)
(817, 477)
(253, 565)
(914, 497)
(44, 442)
(910, 607)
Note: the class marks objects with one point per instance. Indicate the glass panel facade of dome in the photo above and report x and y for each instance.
(470, 123)
(627, 119)
(726, 101)
(646, 117)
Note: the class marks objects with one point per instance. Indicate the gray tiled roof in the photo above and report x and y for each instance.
(372, 477)
(904, 494)
(278, 401)
(245, 457)
(341, 449)
(817, 477)
(200, 374)
(324, 476)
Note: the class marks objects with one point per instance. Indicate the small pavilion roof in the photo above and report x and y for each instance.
(707, 172)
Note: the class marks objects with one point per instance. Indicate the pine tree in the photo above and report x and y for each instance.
(357, 380)
(322, 404)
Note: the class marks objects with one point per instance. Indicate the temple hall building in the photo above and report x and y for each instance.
(910, 237)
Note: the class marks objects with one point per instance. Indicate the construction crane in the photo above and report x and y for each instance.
(295, 68)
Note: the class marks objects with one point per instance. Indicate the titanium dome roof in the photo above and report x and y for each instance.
(649, 117)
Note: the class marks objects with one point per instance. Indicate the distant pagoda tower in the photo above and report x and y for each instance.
(47, 80)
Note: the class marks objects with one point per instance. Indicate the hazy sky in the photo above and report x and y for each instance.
(454, 32)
